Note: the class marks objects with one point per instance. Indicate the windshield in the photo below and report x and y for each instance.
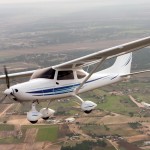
(47, 73)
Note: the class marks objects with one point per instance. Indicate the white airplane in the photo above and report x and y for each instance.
(145, 105)
(69, 79)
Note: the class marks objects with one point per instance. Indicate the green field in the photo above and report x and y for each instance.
(118, 104)
(10, 140)
(47, 134)
(123, 130)
(6, 127)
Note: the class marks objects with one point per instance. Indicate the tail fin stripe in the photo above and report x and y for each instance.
(128, 61)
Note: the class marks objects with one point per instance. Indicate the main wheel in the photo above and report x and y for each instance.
(88, 111)
(33, 122)
(45, 118)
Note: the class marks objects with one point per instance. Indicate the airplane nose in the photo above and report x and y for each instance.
(8, 91)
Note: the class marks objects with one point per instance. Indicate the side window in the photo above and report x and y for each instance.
(80, 74)
(65, 75)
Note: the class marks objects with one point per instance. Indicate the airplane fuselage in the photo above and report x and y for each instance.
(43, 89)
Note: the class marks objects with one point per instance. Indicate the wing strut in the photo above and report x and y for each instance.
(90, 74)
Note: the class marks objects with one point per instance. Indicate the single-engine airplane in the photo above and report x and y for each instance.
(69, 78)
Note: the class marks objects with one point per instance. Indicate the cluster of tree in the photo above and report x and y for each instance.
(65, 131)
(86, 145)
(131, 114)
(134, 125)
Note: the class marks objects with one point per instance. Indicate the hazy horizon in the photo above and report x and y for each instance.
(61, 7)
(73, 1)
(33, 24)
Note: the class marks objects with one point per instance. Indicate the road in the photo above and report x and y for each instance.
(114, 144)
(134, 101)
(7, 108)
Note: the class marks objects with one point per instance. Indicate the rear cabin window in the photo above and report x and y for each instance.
(80, 74)
(65, 75)
(47, 73)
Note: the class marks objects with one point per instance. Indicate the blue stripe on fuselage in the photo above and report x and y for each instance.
(66, 89)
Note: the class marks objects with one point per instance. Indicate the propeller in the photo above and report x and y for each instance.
(7, 84)
(7, 78)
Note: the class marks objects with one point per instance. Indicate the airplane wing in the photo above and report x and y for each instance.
(20, 74)
(106, 53)
(93, 58)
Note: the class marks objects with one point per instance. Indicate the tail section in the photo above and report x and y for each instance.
(122, 64)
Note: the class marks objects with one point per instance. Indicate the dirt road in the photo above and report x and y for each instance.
(134, 101)
(7, 108)
(30, 135)
(74, 128)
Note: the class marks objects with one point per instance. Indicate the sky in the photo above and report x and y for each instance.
(74, 1)
(68, 6)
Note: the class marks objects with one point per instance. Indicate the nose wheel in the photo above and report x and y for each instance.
(45, 113)
(33, 115)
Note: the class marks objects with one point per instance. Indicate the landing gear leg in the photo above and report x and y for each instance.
(47, 112)
(86, 106)
(33, 115)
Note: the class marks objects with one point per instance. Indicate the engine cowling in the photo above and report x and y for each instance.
(33, 116)
(88, 106)
(46, 113)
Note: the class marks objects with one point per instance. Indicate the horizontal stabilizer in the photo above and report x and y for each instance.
(134, 73)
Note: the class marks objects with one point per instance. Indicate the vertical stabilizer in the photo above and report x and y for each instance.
(122, 64)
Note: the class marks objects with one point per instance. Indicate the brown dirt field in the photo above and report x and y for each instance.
(128, 146)
(29, 146)
(65, 47)
(18, 119)
(18, 66)
(141, 137)
(121, 119)
(22, 120)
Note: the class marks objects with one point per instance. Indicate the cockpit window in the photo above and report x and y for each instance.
(65, 75)
(80, 74)
(47, 73)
